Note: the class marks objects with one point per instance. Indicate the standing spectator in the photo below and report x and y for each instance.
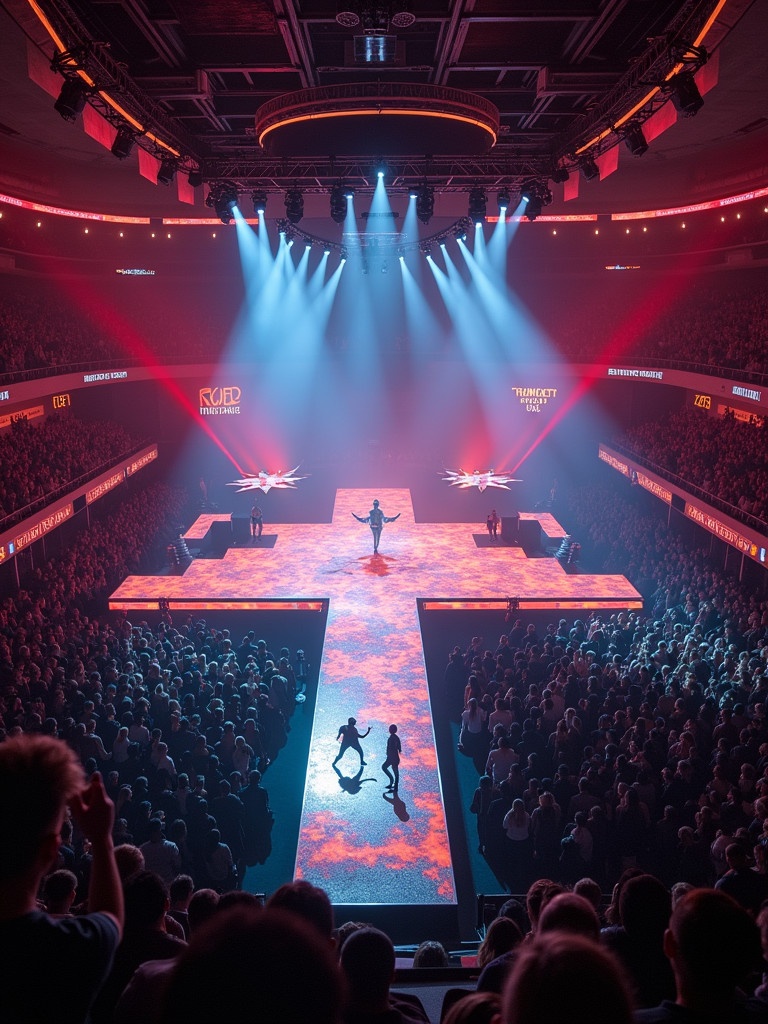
(38, 777)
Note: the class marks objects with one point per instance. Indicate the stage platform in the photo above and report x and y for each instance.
(362, 844)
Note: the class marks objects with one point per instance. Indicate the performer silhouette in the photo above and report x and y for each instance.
(394, 749)
(350, 737)
(376, 519)
(492, 523)
(257, 521)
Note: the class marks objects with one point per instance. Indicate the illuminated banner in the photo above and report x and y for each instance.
(103, 486)
(742, 415)
(134, 272)
(611, 460)
(633, 371)
(61, 401)
(21, 414)
(654, 487)
(97, 378)
(220, 401)
(47, 522)
(141, 461)
(5, 396)
(702, 401)
(532, 399)
(750, 393)
(720, 529)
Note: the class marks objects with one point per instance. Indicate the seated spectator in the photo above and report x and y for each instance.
(254, 957)
(712, 944)
(562, 977)
(367, 962)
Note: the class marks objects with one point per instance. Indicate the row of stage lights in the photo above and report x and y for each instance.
(534, 194)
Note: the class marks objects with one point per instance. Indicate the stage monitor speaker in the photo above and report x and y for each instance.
(509, 526)
(241, 527)
(219, 536)
(529, 534)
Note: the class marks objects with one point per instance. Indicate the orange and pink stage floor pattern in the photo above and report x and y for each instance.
(362, 844)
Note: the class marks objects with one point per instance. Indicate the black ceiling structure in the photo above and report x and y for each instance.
(552, 82)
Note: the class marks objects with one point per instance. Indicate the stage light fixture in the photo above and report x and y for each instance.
(259, 199)
(167, 172)
(685, 94)
(425, 203)
(460, 234)
(426, 249)
(478, 202)
(381, 168)
(338, 204)
(532, 208)
(223, 199)
(635, 140)
(196, 178)
(589, 169)
(122, 147)
(71, 99)
(503, 198)
(294, 205)
(560, 175)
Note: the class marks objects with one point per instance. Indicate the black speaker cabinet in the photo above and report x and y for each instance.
(529, 534)
(509, 526)
(241, 527)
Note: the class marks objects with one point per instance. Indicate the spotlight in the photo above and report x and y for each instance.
(381, 169)
(384, 267)
(685, 94)
(196, 178)
(460, 234)
(426, 249)
(259, 200)
(294, 205)
(425, 203)
(635, 140)
(123, 144)
(589, 168)
(72, 97)
(167, 172)
(223, 199)
(478, 202)
(532, 208)
(343, 254)
(338, 204)
(503, 198)
(560, 175)
(414, 193)
(535, 194)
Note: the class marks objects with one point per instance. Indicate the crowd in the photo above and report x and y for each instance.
(39, 459)
(723, 456)
(625, 740)
(138, 948)
(718, 320)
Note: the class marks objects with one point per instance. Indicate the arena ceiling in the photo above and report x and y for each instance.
(198, 72)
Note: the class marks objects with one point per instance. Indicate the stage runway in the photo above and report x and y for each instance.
(360, 843)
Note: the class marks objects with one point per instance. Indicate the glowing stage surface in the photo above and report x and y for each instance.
(361, 843)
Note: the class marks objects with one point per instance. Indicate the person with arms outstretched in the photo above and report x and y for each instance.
(350, 737)
(376, 520)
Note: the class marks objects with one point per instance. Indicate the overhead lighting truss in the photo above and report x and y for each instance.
(372, 248)
(668, 64)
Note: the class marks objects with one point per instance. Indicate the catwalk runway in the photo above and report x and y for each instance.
(360, 843)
